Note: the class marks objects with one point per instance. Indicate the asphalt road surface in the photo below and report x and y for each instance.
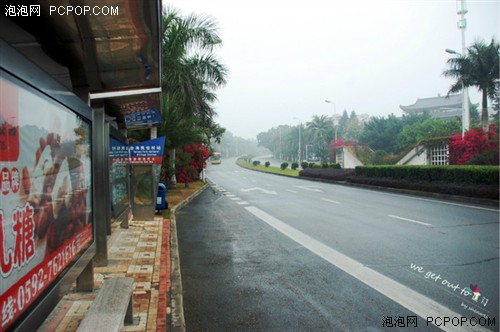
(269, 253)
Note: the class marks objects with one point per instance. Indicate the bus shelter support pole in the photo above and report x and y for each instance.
(100, 214)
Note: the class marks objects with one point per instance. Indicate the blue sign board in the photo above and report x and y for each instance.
(148, 152)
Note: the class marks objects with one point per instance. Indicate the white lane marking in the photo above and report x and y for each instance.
(291, 191)
(228, 194)
(265, 191)
(442, 202)
(242, 203)
(235, 199)
(311, 188)
(408, 298)
(329, 200)
(410, 220)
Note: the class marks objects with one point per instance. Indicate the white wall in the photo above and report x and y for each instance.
(417, 156)
(350, 161)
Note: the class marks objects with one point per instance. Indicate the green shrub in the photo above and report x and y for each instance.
(304, 164)
(454, 174)
(256, 163)
(284, 165)
(295, 166)
(267, 164)
(334, 165)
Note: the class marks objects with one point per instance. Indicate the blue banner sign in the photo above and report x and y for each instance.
(148, 152)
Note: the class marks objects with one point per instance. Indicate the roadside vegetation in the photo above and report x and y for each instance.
(246, 162)
(468, 180)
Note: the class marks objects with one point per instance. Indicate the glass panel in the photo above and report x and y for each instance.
(142, 185)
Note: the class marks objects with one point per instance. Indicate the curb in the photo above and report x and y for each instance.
(178, 323)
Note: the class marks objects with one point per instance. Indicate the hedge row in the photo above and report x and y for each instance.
(454, 174)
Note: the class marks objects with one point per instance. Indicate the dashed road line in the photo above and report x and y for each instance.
(442, 202)
(410, 220)
(329, 200)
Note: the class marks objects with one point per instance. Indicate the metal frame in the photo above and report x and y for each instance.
(123, 93)
(123, 215)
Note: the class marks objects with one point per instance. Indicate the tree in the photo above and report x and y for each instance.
(342, 124)
(353, 129)
(320, 129)
(381, 133)
(478, 68)
(191, 72)
(413, 133)
(190, 75)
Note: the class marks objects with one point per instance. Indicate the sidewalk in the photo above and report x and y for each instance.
(143, 252)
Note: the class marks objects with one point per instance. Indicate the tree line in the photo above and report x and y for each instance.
(389, 137)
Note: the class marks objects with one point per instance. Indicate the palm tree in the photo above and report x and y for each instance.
(479, 68)
(190, 75)
(320, 127)
(190, 70)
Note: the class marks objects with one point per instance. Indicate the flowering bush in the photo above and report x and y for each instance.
(476, 147)
(190, 161)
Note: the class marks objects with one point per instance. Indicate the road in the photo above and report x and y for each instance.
(264, 252)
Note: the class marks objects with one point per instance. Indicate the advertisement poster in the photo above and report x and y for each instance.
(45, 199)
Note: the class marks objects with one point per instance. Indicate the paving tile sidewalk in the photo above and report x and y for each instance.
(142, 252)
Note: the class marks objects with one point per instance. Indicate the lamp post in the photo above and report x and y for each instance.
(307, 153)
(462, 25)
(300, 134)
(335, 125)
(465, 101)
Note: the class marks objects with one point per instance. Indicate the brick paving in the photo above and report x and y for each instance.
(142, 252)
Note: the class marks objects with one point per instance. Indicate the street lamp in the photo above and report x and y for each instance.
(465, 100)
(462, 25)
(335, 125)
(307, 153)
(300, 152)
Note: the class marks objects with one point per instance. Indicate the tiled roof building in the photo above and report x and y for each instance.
(438, 107)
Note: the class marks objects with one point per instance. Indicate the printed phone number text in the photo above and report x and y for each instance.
(31, 288)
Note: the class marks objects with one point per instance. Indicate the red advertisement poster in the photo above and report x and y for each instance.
(45, 194)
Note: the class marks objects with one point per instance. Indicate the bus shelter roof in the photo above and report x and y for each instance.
(109, 49)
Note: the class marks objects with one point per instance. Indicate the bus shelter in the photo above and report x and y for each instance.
(74, 79)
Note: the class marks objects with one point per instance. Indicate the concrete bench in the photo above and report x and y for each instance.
(111, 307)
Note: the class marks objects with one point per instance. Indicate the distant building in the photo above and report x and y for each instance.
(438, 107)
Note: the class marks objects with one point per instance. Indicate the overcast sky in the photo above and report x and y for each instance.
(286, 57)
